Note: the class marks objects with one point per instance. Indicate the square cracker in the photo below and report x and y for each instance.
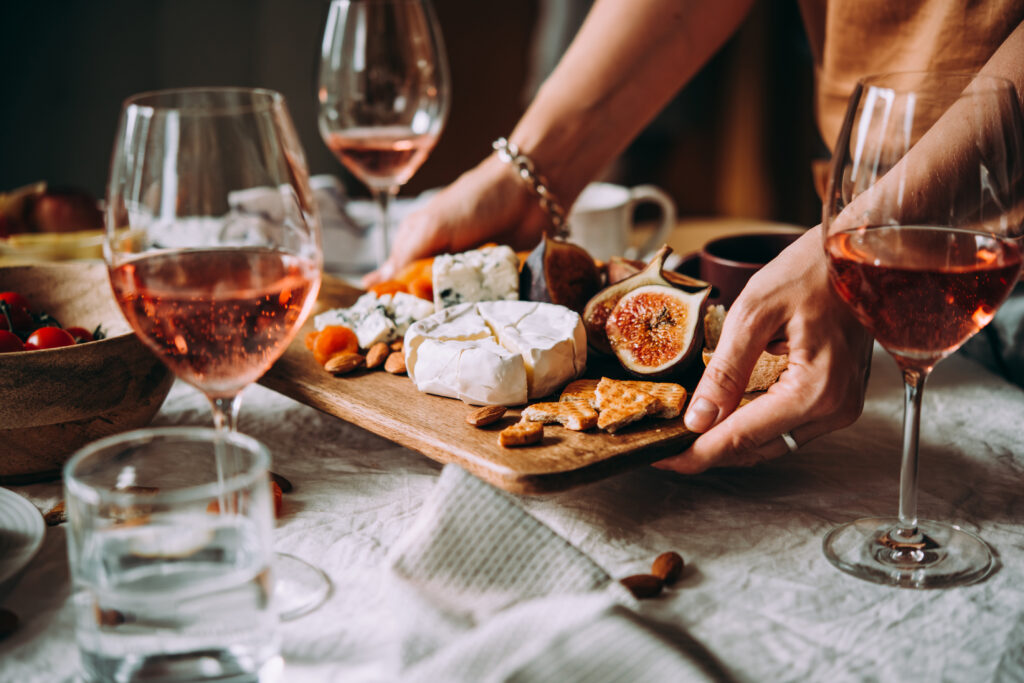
(671, 397)
(580, 390)
(620, 404)
(574, 415)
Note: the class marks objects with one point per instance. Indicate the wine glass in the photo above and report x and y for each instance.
(383, 93)
(213, 250)
(922, 228)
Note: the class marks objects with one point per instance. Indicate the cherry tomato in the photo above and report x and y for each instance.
(19, 310)
(278, 498)
(48, 338)
(10, 342)
(79, 334)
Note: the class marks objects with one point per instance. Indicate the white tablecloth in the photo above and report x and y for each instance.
(759, 601)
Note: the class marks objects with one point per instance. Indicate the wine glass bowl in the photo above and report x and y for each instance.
(383, 93)
(212, 245)
(922, 228)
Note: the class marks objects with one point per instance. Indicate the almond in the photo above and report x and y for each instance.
(56, 515)
(485, 415)
(286, 486)
(377, 354)
(342, 363)
(395, 364)
(668, 567)
(643, 585)
(397, 345)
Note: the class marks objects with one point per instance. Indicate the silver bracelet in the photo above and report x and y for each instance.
(510, 154)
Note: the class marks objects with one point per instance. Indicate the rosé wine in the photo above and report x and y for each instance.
(217, 317)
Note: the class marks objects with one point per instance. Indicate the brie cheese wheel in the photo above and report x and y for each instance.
(496, 352)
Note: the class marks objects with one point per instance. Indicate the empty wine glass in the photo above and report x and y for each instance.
(383, 93)
(922, 226)
(213, 249)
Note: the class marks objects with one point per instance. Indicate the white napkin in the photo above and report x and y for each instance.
(350, 226)
(487, 592)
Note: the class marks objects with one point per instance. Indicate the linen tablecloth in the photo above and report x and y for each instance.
(758, 601)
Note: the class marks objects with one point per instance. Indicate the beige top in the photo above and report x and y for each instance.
(854, 38)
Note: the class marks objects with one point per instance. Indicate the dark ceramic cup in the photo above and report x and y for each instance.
(728, 262)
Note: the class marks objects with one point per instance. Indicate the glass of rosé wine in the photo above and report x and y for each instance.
(922, 233)
(213, 250)
(383, 93)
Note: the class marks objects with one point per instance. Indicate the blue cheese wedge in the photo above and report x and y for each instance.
(496, 352)
(375, 318)
(487, 274)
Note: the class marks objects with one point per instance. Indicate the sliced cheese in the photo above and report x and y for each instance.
(496, 352)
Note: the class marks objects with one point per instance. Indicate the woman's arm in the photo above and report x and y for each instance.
(626, 62)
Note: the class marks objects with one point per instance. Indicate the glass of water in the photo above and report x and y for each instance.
(169, 542)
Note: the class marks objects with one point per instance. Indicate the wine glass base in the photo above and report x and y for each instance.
(946, 555)
(299, 587)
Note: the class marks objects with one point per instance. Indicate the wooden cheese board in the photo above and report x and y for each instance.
(391, 406)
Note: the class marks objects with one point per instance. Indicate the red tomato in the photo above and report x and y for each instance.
(48, 338)
(10, 342)
(19, 310)
(79, 334)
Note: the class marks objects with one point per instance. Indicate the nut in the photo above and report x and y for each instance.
(107, 617)
(286, 486)
(395, 364)
(56, 515)
(8, 623)
(397, 345)
(668, 567)
(643, 585)
(377, 354)
(485, 415)
(342, 363)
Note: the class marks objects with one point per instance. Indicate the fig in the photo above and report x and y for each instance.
(655, 330)
(557, 272)
(596, 312)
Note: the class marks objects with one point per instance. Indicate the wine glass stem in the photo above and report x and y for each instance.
(225, 412)
(384, 197)
(913, 385)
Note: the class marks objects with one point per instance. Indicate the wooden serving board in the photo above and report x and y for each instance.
(391, 406)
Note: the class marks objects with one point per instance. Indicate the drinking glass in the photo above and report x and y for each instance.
(167, 585)
(922, 228)
(383, 93)
(213, 248)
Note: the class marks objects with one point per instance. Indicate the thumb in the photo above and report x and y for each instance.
(724, 381)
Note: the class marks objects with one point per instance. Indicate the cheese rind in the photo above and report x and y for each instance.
(496, 352)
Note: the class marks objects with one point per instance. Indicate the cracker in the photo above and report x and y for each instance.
(521, 434)
(580, 390)
(574, 415)
(620, 404)
(671, 397)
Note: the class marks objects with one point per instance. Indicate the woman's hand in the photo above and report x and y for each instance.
(488, 203)
(788, 306)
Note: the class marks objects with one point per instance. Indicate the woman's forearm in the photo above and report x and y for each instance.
(628, 59)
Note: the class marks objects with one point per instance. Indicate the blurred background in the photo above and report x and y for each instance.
(738, 141)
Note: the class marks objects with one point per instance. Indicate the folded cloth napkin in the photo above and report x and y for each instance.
(487, 592)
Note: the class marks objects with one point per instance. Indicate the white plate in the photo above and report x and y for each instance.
(21, 533)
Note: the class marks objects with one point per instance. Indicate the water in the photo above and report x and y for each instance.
(181, 598)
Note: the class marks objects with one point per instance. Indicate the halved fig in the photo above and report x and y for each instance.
(558, 272)
(655, 330)
(597, 310)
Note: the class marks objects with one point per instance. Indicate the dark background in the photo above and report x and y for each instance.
(738, 141)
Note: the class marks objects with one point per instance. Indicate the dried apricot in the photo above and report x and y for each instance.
(334, 339)
(389, 287)
(423, 288)
(311, 339)
(417, 269)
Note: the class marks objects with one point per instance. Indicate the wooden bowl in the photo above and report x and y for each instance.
(53, 401)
